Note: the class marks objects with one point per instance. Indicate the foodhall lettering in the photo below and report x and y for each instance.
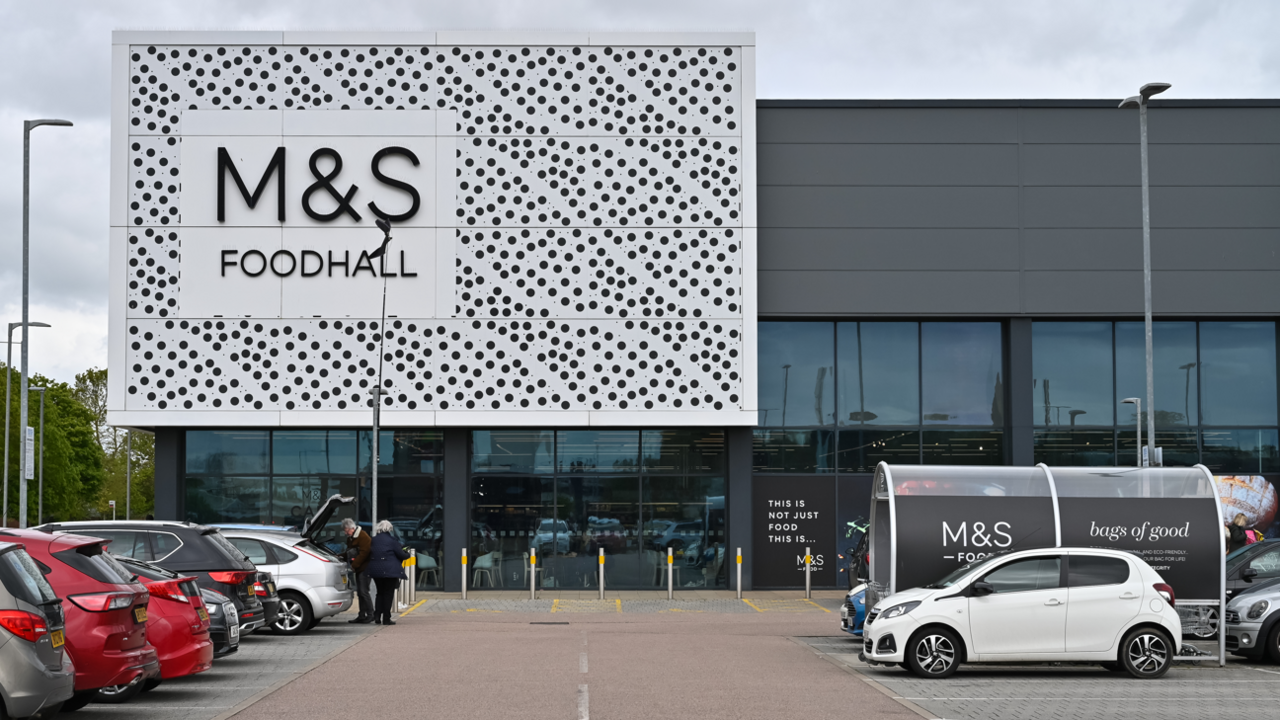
(310, 263)
(324, 184)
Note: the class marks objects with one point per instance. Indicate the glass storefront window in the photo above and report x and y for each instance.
(228, 500)
(1180, 447)
(228, 452)
(1173, 361)
(513, 451)
(796, 383)
(683, 452)
(507, 515)
(688, 516)
(879, 365)
(1063, 447)
(1071, 369)
(1242, 451)
(794, 451)
(1238, 373)
(963, 447)
(961, 373)
(861, 450)
(604, 451)
(313, 452)
(404, 451)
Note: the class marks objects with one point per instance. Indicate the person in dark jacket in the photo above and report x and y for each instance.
(1236, 538)
(385, 566)
(358, 544)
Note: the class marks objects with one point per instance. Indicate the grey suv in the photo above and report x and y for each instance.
(35, 670)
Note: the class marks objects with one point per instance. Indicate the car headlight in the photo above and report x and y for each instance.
(899, 610)
(1258, 609)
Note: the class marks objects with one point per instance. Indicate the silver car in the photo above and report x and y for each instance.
(313, 583)
(36, 673)
(1253, 622)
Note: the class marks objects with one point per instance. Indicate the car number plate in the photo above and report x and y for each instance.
(204, 614)
(57, 638)
(271, 588)
(140, 614)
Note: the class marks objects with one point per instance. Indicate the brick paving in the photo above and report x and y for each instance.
(633, 604)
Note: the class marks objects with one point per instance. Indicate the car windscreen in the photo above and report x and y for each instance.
(1240, 555)
(954, 576)
(90, 560)
(23, 579)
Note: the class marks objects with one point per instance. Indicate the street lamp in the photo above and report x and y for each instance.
(1138, 403)
(1140, 101)
(27, 127)
(1074, 414)
(385, 227)
(8, 364)
(40, 487)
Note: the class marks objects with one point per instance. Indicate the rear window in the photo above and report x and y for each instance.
(283, 556)
(318, 550)
(232, 551)
(1086, 570)
(165, 543)
(90, 560)
(23, 579)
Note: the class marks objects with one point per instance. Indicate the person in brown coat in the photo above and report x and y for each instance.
(358, 549)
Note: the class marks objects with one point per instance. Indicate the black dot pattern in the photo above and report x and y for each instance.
(598, 250)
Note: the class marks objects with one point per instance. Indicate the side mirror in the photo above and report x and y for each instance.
(1248, 574)
(981, 587)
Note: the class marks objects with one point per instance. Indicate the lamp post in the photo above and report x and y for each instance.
(1186, 394)
(128, 474)
(40, 486)
(27, 127)
(8, 364)
(1140, 101)
(1137, 402)
(379, 254)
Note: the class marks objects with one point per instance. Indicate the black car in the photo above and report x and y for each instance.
(1251, 564)
(264, 587)
(186, 548)
(225, 636)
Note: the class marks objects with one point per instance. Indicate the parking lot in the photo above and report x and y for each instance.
(1189, 690)
(264, 662)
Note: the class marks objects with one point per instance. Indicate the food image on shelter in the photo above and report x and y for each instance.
(1252, 495)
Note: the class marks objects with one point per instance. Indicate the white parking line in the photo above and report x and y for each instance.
(582, 662)
(584, 711)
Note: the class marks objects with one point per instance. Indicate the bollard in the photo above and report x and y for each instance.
(808, 563)
(464, 573)
(670, 574)
(601, 573)
(739, 573)
(533, 573)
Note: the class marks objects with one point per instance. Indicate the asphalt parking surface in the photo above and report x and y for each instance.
(1008, 692)
(263, 662)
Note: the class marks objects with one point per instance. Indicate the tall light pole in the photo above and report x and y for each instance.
(1140, 101)
(40, 487)
(27, 127)
(1137, 402)
(128, 475)
(379, 254)
(8, 381)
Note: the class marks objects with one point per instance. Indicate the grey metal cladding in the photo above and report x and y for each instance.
(1226, 249)
(1079, 125)
(1171, 164)
(887, 125)
(1188, 292)
(885, 164)
(1099, 292)
(1255, 125)
(888, 249)
(859, 293)
(928, 207)
(1082, 249)
(1082, 207)
(1215, 207)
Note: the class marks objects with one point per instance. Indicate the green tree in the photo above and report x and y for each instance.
(128, 463)
(73, 460)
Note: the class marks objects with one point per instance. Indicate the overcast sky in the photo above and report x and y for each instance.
(56, 64)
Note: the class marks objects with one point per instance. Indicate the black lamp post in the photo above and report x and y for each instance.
(379, 254)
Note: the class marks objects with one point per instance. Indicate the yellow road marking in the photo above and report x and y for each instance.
(817, 606)
(555, 605)
(415, 607)
(751, 605)
(618, 602)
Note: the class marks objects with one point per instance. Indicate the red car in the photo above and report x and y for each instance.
(106, 613)
(177, 622)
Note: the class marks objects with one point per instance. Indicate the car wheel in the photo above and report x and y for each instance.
(1207, 628)
(314, 622)
(1146, 653)
(294, 617)
(77, 701)
(933, 653)
(1273, 644)
(115, 694)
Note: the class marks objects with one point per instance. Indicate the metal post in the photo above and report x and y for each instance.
(377, 408)
(808, 589)
(40, 485)
(670, 574)
(601, 573)
(464, 573)
(1146, 286)
(8, 381)
(533, 573)
(128, 474)
(739, 573)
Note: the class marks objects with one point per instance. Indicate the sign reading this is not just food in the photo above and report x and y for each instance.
(279, 211)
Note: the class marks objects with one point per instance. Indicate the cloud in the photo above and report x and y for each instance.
(57, 59)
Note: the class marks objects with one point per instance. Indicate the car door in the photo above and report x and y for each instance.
(1266, 564)
(1104, 593)
(1027, 612)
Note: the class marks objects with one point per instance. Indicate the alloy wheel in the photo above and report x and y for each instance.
(290, 615)
(1208, 626)
(935, 654)
(1148, 653)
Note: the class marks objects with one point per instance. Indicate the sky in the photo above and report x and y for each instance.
(55, 59)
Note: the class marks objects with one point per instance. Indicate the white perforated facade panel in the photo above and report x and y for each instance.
(582, 253)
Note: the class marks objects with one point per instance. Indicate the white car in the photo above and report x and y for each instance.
(1047, 605)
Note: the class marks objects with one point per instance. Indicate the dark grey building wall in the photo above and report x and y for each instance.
(1016, 208)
